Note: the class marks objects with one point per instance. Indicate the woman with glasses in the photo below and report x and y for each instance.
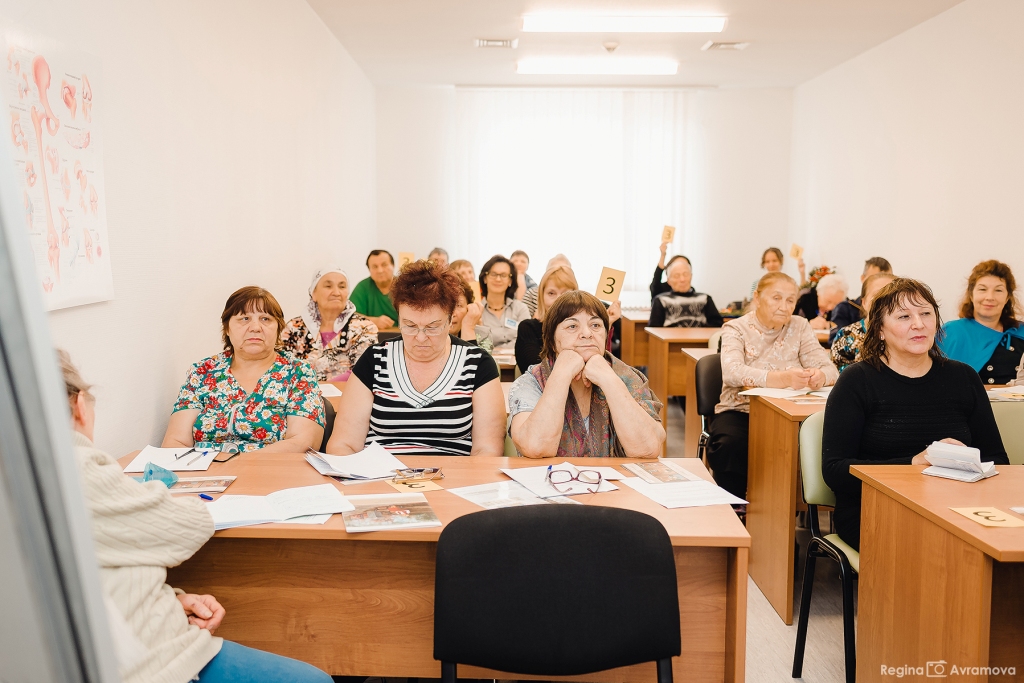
(502, 311)
(581, 401)
(427, 392)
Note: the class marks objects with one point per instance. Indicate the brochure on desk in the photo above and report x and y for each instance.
(377, 512)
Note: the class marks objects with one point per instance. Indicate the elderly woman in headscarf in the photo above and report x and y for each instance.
(330, 334)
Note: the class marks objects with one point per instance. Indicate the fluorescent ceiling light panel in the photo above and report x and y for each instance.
(580, 23)
(597, 66)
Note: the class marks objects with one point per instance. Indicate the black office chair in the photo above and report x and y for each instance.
(329, 415)
(555, 590)
(708, 381)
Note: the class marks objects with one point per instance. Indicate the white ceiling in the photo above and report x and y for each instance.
(430, 42)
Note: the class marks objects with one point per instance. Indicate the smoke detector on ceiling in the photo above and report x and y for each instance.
(512, 43)
(714, 45)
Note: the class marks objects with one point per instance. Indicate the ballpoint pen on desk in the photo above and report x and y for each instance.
(191, 450)
(201, 454)
(205, 496)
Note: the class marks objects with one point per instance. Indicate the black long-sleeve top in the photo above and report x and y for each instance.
(657, 286)
(876, 416)
(684, 309)
(528, 343)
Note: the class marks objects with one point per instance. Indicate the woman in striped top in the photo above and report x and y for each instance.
(426, 393)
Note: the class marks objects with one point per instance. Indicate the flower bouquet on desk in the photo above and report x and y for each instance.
(816, 274)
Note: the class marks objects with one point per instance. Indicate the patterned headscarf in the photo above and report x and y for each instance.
(312, 316)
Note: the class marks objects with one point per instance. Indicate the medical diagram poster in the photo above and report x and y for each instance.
(50, 94)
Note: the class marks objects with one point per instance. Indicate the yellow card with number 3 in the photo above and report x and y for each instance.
(796, 251)
(405, 258)
(990, 516)
(668, 234)
(610, 285)
(414, 486)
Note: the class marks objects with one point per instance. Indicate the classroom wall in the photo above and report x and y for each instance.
(912, 151)
(737, 179)
(238, 149)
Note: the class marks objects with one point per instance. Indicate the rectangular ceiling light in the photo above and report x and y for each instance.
(597, 66)
(577, 23)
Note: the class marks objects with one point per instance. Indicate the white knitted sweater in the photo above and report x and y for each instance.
(139, 530)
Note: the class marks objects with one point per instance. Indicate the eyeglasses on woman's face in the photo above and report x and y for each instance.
(434, 329)
(498, 277)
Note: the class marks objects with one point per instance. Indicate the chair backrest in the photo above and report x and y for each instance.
(816, 491)
(708, 381)
(329, 416)
(715, 340)
(1010, 419)
(555, 590)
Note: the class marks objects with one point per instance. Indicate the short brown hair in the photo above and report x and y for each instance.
(520, 252)
(566, 306)
(458, 263)
(1008, 317)
(251, 299)
(772, 250)
(769, 278)
(878, 262)
(426, 283)
(562, 276)
(378, 252)
(467, 291)
(888, 299)
(872, 278)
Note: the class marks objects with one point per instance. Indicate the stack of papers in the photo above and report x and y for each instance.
(535, 479)
(1006, 394)
(287, 505)
(389, 511)
(505, 494)
(200, 459)
(768, 392)
(961, 463)
(328, 390)
(661, 472)
(683, 494)
(373, 462)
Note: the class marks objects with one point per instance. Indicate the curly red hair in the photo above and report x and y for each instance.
(423, 284)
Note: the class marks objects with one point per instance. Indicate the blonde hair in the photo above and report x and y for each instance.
(73, 382)
(769, 279)
(563, 277)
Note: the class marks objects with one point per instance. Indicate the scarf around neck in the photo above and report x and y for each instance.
(968, 341)
(311, 316)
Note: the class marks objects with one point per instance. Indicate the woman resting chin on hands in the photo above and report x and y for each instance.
(580, 401)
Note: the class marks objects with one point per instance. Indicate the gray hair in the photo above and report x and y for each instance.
(437, 250)
(833, 283)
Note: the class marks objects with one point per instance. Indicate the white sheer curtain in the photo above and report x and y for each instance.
(592, 173)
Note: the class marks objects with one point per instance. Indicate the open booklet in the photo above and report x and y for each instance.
(536, 480)
(661, 472)
(769, 392)
(285, 505)
(961, 463)
(376, 512)
(373, 462)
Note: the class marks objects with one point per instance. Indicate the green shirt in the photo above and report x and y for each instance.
(371, 302)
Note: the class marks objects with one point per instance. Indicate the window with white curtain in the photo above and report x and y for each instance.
(592, 173)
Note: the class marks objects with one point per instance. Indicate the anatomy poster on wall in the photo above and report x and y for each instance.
(58, 159)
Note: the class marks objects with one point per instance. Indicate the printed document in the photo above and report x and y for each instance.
(281, 506)
(683, 494)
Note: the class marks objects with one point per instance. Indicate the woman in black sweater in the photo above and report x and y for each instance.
(554, 284)
(901, 397)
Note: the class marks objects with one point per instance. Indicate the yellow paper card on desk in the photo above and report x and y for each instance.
(609, 286)
(668, 234)
(796, 251)
(414, 486)
(405, 258)
(990, 516)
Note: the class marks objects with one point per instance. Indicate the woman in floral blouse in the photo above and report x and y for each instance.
(330, 334)
(250, 395)
(848, 342)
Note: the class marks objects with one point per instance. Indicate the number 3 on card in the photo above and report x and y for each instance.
(610, 285)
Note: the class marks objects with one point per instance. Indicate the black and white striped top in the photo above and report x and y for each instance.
(436, 421)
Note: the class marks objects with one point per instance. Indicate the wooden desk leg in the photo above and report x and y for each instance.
(657, 375)
(925, 595)
(771, 490)
(736, 617)
(641, 350)
(627, 351)
(691, 436)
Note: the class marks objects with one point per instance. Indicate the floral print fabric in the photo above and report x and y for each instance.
(333, 363)
(847, 345)
(228, 414)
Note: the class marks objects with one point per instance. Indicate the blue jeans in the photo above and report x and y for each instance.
(239, 664)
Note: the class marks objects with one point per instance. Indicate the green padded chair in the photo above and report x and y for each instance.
(1010, 420)
(817, 492)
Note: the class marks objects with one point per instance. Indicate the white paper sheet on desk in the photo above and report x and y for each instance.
(769, 392)
(281, 506)
(535, 479)
(1013, 393)
(373, 462)
(328, 390)
(683, 494)
(164, 457)
(504, 494)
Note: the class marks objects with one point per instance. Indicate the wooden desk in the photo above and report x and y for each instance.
(773, 456)
(335, 400)
(935, 585)
(666, 366)
(691, 436)
(634, 337)
(362, 604)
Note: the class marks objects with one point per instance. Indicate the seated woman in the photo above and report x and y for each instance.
(138, 531)
(466, 315)
(530, 298)
(819, 302)
(771, 262)
(681, 305)
(581, 401)
(426, 393)
(988, 336)
(901, 397)
(553, 284)
(768, 347)
(330, 334)
(502, 310)
(251, 396)
(846, 346)
(464, 269)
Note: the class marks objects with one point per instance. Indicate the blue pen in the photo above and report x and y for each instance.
(548, 475)
(205, 497)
